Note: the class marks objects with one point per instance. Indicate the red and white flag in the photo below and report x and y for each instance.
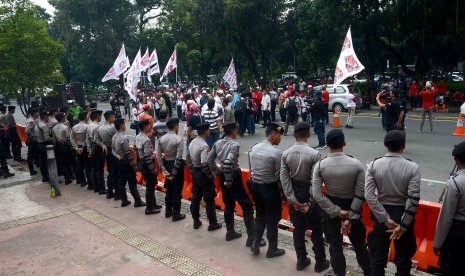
(145, 61)
(172, 64)
(155, 69)
(348, 63)
(230, 77)
(133, 77)
(120, 65)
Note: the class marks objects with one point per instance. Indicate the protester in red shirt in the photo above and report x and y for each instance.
(413, 90)
(257, 96)
(458, 98)
(427, 96)
(442, 87)
(325, 98)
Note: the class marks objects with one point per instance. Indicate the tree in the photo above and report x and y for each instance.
(29, 57)
(148, 10)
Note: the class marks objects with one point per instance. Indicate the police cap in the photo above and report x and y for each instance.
(395, 139)
(172, 123)
(335, 138)
(82, 116)
(108, 114)
(144, 123)
(202, 127)
(459, 149)
(302, 127)
(274, 127)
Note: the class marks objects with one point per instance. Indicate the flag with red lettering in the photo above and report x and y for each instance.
(145, 61)
(348, 63)
(230, 76)
(172, 64)
(120, 65)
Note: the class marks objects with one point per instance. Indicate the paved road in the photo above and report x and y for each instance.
(365, 142)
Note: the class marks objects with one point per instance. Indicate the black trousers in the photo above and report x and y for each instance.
(84, 169)
(282, 114)
(3, 164)
(64, 159)
(150, 183)
(126, 174)
(179, 111)
(112, 186)
(267, 198)
(15, 143)
(174, 188)
(258, 115)
(451, 257)
(266, 117)
(6, 144)
(98, 164)
(273, 111)
(379, 242)
(203, 187)
(312, 220)
(357, 237)
(240, 119)
(32, 154)
(237, 194)
(327, 113)
(42, 150)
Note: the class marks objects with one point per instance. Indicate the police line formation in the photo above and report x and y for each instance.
(390, 185)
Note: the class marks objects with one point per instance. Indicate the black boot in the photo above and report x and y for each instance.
(321, 266)
(274, 251)
(139, 203)
(178, 217)
(197, 224)
(214, 226)
(255, 246)
(125, 203)
(302, 264)
(229, 220)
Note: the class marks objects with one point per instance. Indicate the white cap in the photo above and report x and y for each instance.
(428, 85)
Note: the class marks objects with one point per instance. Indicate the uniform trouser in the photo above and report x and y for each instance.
(273, 111)
(327, 112)
(174, 188)
(150, 183)
(6, 145)
(112, 186)
(125, 173)
(429, 112)
(379, 243)
(451, 257)
(267, 198)
(84, 169)
(304, 116)
(240, 119)
(250, 122)
(312, 220)
(319, 128)
(32, 154)
(266, 117)
(98, 163)
(203, 187)
(357, 237)
(42, 150)
(64, 158)
(258, 115)
(237, 194)
(15, 143)
(179, 111)
(350, 118)
(3, 164)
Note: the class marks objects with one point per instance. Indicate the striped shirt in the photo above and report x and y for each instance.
(211, 116)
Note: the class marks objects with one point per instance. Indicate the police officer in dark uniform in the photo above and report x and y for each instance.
(344, 179)
(147, 166)
(78, 141)
(125, 166)
(226, 151)
(172, 167)
(297, 163)
(63, 147)
(94, 153)
(394, 111)
(397, 181)
(265, 164)
(31, 141)
(103, 137)
(449, 239)
(3, 164)
(44, 138)
(202, 177)
(12, 134)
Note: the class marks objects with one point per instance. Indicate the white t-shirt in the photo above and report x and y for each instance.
(266, 102)
(350, 100)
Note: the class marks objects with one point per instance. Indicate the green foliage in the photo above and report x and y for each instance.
(29, 58)
(456, 86)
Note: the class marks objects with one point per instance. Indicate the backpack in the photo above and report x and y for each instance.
(292, 107)
(241, 106)
(252, 107)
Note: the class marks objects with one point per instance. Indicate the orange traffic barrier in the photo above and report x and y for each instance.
(459, 128)
(336, 123)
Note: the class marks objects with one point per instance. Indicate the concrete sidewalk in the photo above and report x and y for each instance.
(82, 233)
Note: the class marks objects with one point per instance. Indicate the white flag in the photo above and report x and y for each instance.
(348, 63)
(154, 58)
(172, 64)
(145, 61)
(133, 77)
(120, 65)
(230, 77)
(156, 67)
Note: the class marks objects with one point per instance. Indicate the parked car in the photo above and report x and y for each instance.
(455, 76)
(337, 95)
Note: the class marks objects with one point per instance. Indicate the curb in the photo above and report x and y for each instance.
(417, 117)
